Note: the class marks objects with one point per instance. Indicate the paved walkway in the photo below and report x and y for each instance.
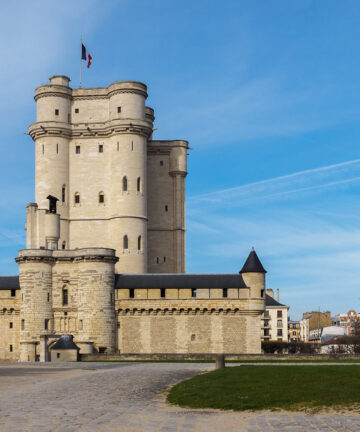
(99, 397)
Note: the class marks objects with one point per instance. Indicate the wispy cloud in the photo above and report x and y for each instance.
(325, 177)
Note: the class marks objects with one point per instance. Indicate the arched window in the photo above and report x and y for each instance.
(125, 242)
(138, 184)
(63, 193)
(139, 242)
(77, 198)
(125, 184)
(101, 198)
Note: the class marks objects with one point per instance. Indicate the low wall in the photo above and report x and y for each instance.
(211, 357)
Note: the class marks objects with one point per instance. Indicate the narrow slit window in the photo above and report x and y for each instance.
(13, 293)
(101, 148)
(48, 297)
(65, 297)
(101, 198)
(193, 292)
(77, 149)
(225, 292)
(157, 260)
(46, 324)
(166, 208)
(22, 324)
(10, 325)
(11, 348)
(164, 259)
(63, 246)
(125, 242)
(56, 112)
(132, 145)
(131, 292)
(43, 149)
(125, 184)
(162, 292)
(139, 243)
(118, 146)
(77, 198)
(57, 148)
(119, 109)
(63, 193)
(138, 184)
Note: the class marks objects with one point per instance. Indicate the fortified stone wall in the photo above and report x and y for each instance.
(9, 324)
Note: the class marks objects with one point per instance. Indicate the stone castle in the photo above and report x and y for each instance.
(105, 240)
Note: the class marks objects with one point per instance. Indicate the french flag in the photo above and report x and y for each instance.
(85, 55)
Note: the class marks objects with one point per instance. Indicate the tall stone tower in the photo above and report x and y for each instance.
(117, 188)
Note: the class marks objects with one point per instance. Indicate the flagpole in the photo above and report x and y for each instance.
(80, 60)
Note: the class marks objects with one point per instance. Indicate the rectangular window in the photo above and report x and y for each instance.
(56, 112)
(119, 109)
(13, 293)
(225, 292)
(63, 194)
(266, 313)
(77, 149)
(279, 332)
(166, 208)
(161, 163)
(193, 292)
(80, 324)
(279, 314)
(48, 297)
(262, 293)
(46, 324)
(76, 110)
(101, 148)
(10, 325)
(294, 333)
(65, 297)
(131, 293)
(102, 350)
(279, 323)
(162, 292)
(22, 324)
(57, 355)
(57, 148)
(11, 348)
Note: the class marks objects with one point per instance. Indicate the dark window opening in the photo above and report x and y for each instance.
(225, 292)
(11, 348)
(162, 292)
(118, 146)
(157, 260)
(101, 148)
(65, 297)
(77, 149)
(48, 296)
(77, 198)
(138, 184)
(13, 293)
(125, 242)
(125, 184)
(118, 325)
(131, 292)
(193, 292)
(63, 194)
(65, 313)
(119, 109)
(102, 350)
(57, 148)
(56, 112)
(139, 243)
(68, 118)
(132, 145)
(43, 149)
(10, 325)
(262, 293)
(161, 163)
(57, 355)
(164, 259)
(22, 324)
(46, 324)
(63, 246)
(101, 198)
(76, 110)
(166, 208)
(193, 337)
(279, 314)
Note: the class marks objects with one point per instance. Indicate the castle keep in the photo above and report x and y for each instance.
(105, 241)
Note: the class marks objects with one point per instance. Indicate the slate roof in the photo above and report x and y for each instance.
(179, 280)
(65, 342)
(269, 301)
(9, 282)
(253, 264)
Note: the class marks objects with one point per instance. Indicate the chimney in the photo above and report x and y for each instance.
(270, 292)
(277, 295)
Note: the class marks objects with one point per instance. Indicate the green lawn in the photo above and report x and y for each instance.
(271, 387)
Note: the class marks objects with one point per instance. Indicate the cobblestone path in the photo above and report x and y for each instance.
(94, 397)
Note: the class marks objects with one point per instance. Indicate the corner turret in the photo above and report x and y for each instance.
(253, 274)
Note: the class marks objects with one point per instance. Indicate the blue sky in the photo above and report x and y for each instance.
(267, 94)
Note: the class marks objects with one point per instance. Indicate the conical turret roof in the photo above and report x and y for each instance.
(253, 264)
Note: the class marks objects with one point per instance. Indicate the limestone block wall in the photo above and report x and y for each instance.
(9, 325)
(179, 323)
